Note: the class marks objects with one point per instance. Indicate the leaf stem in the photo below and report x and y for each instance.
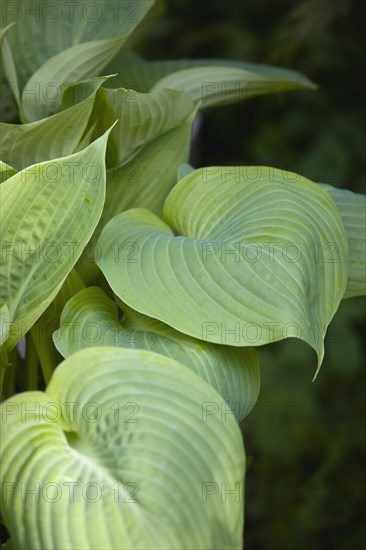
(32, 377)
(45, 356)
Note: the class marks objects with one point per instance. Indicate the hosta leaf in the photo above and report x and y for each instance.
(55, 42)
(75, 93)
(136, 451)
(141, 118)
(57, 136)
(208, 81)
(90, 319)
(251, 264)
(49, 212)
(352, 208)
(76, 63)
(6, 171)
(144, 181)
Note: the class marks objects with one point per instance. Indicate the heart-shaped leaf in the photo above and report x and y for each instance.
(118, 445)
(49, 212)
(250, 266)
(90, 319)
(352, 208)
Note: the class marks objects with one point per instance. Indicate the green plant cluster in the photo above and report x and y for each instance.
(140, 286)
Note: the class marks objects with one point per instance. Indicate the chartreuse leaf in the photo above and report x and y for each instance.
(56, 42)
(49, 212)
(143, 181)
(57, 136)
(249, 266)
(208, 81)
(6, 171)
(352, 208)
(141, 118)
(75, 93)
(146, 180)
(129, 435)
(91, 319)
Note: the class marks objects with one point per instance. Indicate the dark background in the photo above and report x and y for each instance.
(305, 441)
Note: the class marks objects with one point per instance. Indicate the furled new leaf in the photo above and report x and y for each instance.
(49, 212)
(126, 433)
(91, 319)
(260, 255)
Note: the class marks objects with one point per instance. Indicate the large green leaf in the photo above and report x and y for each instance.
(53, 42)
(208, 81)
(352, 208)
(144, 181)
(122, 431)
(91, 319)
(251, 265)
(141, 118)
(49, 212)
(57, 136)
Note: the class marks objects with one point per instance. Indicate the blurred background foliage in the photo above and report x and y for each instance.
(305, 441)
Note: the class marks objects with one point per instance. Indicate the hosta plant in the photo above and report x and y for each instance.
(135, 288)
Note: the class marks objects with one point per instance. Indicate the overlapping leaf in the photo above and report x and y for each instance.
(49, 212)
(126, 434)
(90, 319)
(57, 136)
(141, 118)
(145, 179)
(208, 81)
(56, 42)
(352, 208)
(250, 265)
